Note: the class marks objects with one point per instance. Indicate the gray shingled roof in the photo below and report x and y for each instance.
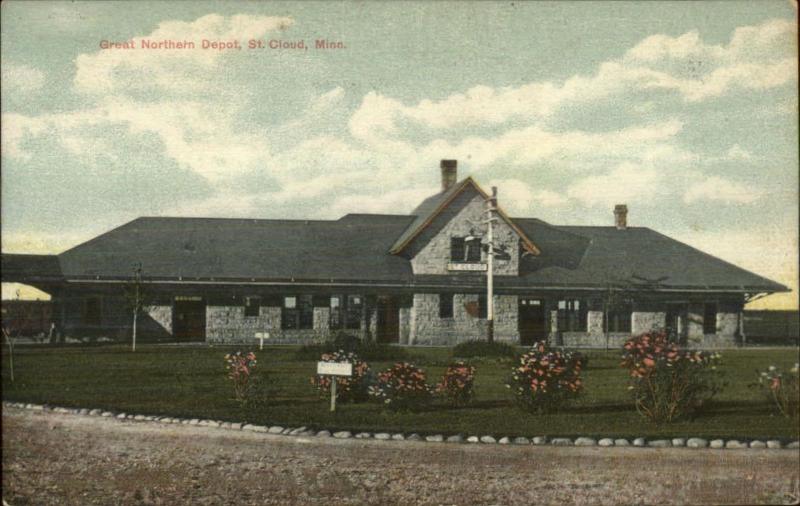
(356, 248)
(424, 211)
(30, 268)
(353, 247)
(636, 254)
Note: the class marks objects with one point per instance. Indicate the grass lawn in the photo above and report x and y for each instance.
(191, 382)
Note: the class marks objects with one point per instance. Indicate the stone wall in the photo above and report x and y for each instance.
(593, 340)
(642, 322)
(727, 331)
(435, 256)
(426, 328)
(161, 315)
(405, 325)
(228, 324)
(694, 325)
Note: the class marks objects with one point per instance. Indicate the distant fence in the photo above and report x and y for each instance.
(772, 327)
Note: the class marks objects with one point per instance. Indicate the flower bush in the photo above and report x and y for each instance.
(668, 383)
(457, 384)
(240, 367)
(401, 387)
(348, 389)
(544, 379)
(782, 389)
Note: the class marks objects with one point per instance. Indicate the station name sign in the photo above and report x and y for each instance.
(334, 368)
(475, 267)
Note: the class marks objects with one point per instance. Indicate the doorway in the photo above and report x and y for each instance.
(676, 322)
(189, 319)
(532, 320)
(388, 324)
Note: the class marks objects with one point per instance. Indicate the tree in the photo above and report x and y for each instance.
(135, 296)
(14, 324)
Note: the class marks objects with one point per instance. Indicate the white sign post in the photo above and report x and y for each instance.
(334, 370)
(261, 336)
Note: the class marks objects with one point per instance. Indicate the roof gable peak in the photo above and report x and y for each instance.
(429, 210)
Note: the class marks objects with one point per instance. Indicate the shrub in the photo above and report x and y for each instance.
(401, 387)
(371, 350)
(345, 342)
(348, 389)
(782, 389)
(367, 350)
(668, 383)
(469, 349)
(544, 379)
(457, 384)
(240, 367)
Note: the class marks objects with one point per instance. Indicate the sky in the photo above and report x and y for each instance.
(687, 112)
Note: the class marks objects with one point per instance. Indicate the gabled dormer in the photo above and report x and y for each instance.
(448, 234)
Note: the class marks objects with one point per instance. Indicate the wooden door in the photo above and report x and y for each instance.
(532, 321)
(189, 320)
(388, 324)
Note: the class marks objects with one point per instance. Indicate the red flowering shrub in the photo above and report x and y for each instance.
(544, 379)
(457, 383)
(240, 368)
(352, 388)
(782, 389)
(401, 387)
(668, 383)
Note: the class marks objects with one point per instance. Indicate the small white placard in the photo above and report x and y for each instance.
(335, 368)
(466, 267)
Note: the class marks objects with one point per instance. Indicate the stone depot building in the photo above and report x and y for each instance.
(416, 279)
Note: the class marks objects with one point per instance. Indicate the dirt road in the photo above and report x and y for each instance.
(51, 458)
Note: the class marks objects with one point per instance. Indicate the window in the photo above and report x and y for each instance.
(337, 317)
(445, 305)
(482, 306)
(297, 313)
(346, 312)
(252, 306)
(355, 304)
(710, 319)
(619, 318)
(92, 311)
(462, 250)
(473, 250)
(572, 315)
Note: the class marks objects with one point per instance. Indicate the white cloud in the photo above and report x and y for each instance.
(16, 128)
(758, 57)
(736, 152)
(625, 184)
(720, 189)
(21, 79)
(174, 70)
(518, 198)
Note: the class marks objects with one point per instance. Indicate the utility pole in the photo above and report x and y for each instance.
(491, 207)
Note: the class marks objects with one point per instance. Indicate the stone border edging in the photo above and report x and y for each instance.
(695, 442)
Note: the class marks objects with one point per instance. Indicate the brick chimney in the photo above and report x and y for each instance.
(449, 173)
(621, 216)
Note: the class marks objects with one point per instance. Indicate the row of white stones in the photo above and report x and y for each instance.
(694, 442)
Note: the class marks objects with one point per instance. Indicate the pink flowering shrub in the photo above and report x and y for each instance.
(544, 379)
(401, 387)
(457, 384)
(348, 389)
(239, 367)
(782, 389)
(668, 383)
